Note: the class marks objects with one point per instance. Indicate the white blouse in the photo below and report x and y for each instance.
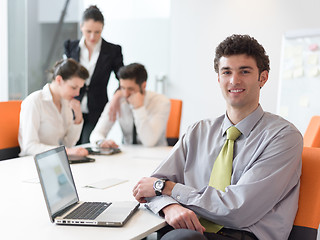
(43, 127)
(90, 65)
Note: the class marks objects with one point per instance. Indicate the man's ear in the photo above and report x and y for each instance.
(218, 79)
(143, 87)
(263, 78)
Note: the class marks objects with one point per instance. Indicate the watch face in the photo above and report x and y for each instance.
(159, 185)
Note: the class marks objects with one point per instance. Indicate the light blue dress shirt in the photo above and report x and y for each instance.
(264, 191)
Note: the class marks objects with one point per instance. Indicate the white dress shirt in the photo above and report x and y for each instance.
(263, 195)
(150, 120)
(43, 127)
(90, 65)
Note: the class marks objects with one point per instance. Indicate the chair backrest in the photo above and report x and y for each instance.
(9, 128)
(307, 219)
(173, 125)
(311, 137)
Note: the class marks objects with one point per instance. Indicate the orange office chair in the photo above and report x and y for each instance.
(311, 137)
(173, 125)
(9, 128)
(308, 216)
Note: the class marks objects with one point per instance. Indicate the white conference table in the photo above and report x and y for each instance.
(23, 212)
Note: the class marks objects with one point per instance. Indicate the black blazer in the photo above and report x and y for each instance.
(110, 59)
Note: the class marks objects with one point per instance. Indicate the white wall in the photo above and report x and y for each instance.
(198, 26)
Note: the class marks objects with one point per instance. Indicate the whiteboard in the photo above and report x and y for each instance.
(299, 90)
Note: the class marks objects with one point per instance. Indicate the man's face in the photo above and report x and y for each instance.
(129, 87)
(240, 81)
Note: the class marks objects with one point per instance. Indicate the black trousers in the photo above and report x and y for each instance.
(86, 130)
(223, 234)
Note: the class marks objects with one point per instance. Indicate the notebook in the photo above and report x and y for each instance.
(62, 199)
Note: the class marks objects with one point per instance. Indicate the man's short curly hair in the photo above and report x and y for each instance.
(242, 44)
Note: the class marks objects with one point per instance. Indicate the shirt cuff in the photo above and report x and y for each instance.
(181, 193)
(99, 142)
(156, 204)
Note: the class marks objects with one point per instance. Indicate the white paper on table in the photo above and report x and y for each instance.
(106, 183)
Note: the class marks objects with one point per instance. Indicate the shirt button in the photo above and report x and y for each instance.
(178, 197)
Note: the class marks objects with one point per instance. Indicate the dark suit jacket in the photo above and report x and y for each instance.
(110, 59)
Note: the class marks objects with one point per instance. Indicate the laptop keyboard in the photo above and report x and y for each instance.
(88, 210)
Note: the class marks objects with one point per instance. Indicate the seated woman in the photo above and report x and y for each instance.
(52, 116)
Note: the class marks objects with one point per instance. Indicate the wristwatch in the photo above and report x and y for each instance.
(159, 185)
(99, 142)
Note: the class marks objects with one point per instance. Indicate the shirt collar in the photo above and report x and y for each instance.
(46, 93)
(245, 125)
(81, 42)
(96, 48)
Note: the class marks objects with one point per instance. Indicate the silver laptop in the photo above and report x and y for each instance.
(62, 198)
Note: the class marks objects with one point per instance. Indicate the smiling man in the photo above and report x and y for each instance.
(143, 114)
(236, 176)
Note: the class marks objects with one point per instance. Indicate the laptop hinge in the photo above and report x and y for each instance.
(63, 211)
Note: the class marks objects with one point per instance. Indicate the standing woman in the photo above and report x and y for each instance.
(52, 116)
(100, 58)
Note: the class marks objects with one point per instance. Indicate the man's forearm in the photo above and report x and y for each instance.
(168, 188)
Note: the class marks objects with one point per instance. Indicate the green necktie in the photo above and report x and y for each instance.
(221, 172)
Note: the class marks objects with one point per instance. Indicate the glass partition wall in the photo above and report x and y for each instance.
(17, 54)
(35, 41)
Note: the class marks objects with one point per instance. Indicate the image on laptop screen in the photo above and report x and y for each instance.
(57, 181)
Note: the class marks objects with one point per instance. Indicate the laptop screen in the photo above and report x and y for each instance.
(56, 179)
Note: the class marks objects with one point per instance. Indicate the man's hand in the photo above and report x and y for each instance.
(80, 151)
(144, 188)
(114, 107)
(108, 144)
(76, 107)
(136, 100)
(181, 217)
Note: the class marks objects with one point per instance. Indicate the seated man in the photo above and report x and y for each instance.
(250, 188)
(143, 114)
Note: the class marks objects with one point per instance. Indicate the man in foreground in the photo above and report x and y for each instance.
(237, 176)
